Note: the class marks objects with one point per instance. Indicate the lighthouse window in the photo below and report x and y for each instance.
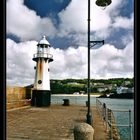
(39, 49)
(44, 50)
(39, 81)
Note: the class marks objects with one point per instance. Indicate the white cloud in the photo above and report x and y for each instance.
(74, 17)
(24, 22)
(118, 23)
(106, 62)
(123, 22)
(19, 64)
(109, 62)
(69, 63)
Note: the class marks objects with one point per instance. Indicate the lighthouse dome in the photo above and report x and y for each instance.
(43, 41)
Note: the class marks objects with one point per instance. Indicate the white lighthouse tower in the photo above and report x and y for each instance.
(41, 95)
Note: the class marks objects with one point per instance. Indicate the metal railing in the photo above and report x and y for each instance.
(43, 55)
(115, 120)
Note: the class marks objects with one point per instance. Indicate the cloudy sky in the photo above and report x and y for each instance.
(64, 22)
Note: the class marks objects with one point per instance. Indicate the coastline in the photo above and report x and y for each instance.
(78, 95)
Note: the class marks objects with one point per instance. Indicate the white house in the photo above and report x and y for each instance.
(124, 90)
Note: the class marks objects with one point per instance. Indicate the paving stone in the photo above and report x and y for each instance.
(49, 123)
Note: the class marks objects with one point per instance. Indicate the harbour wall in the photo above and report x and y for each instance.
(17, 97)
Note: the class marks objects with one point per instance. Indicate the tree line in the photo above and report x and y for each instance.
(69, 86)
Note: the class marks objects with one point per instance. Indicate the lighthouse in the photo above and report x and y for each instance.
(41, 95)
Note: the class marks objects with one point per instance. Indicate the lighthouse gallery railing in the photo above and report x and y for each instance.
(43, 55)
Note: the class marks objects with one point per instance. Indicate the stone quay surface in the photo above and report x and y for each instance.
(50, 123)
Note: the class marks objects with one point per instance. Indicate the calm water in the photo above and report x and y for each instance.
(126, 133)
(74, 99)
(123, 118)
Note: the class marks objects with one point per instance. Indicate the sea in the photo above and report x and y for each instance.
(123, 110)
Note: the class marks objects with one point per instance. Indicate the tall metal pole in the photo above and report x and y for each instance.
(89, 120)
(102, 3)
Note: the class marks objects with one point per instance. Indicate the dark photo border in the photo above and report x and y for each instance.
(135, 66)
(3, 70)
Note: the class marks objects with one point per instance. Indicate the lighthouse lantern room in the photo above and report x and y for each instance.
(41, 95)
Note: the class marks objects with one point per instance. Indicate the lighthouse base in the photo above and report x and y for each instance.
(41, 98)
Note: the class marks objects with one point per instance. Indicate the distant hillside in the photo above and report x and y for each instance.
(70, 86)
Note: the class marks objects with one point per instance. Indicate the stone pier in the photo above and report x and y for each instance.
(55, 122)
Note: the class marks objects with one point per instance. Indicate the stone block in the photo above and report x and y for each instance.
(83, 131)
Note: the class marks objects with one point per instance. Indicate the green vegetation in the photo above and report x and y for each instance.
(69, 86)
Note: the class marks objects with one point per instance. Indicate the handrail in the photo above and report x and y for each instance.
(108, 117)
